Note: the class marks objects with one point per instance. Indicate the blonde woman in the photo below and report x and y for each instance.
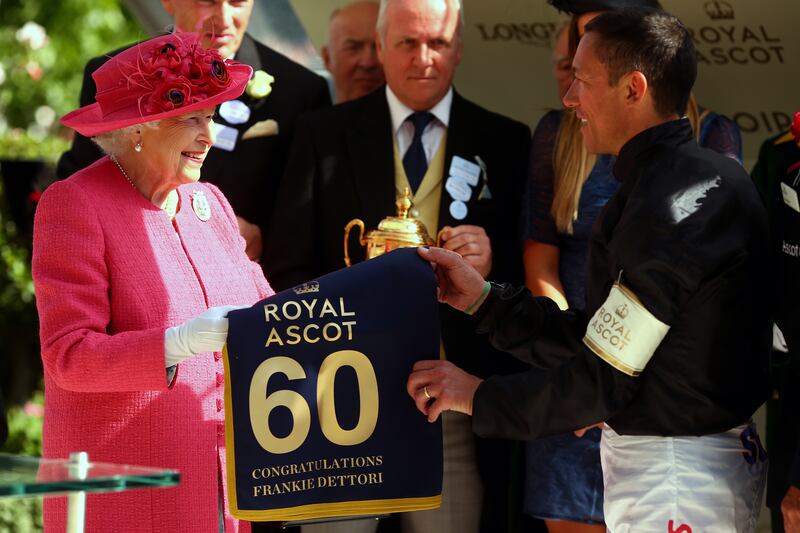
(567, 190)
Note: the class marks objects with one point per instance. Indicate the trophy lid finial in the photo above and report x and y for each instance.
(403, 203)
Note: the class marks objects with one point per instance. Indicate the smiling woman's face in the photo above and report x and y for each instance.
(177, 148)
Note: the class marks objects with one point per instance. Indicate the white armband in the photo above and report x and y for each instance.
(623, 332)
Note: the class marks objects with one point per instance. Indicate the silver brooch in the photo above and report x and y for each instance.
(200, 206)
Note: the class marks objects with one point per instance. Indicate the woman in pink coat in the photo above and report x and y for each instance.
(136, 265)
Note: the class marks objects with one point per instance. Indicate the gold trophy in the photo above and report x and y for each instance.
(392, 233)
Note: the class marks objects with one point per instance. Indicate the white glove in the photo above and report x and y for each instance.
(204, 333)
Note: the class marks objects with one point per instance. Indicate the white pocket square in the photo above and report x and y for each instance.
(263, 128)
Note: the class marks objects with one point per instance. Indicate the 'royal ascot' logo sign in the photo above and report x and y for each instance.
(318, 421)
(724, 42)
(719, 10)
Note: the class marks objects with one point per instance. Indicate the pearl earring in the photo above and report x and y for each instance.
(138, 147)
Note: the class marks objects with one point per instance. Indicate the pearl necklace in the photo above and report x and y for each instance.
(114, 159)
(170, 205)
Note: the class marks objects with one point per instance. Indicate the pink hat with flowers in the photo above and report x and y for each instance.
(164, 77)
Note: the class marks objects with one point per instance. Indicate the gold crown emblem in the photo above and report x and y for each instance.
(719, 10)
(622, 310)
(305, 288)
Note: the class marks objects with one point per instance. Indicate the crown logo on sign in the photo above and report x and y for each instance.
(719, 10)
(305, 288)
(622, 311)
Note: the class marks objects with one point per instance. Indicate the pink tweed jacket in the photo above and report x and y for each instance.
(112, 272)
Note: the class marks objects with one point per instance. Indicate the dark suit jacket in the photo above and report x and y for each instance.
(248, 175)
(341, 167)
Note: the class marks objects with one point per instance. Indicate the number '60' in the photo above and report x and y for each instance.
(261, 406)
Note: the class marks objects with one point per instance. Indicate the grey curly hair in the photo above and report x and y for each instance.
(117, 142)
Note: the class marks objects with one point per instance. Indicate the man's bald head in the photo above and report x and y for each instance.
(350, 54)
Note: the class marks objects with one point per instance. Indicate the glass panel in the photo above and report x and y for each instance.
(28, 476)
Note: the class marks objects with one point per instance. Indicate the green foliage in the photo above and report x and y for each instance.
(43, 76)
(24, 438)
(18, 317)
(21, 516)
(16, 285)
(25, 427)
(19, 144)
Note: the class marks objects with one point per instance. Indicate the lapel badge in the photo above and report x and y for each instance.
(200, 206)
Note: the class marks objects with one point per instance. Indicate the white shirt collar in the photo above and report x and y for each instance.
(400, 112)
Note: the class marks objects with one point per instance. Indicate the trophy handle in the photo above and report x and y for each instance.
(347, 228)
(439, 238)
